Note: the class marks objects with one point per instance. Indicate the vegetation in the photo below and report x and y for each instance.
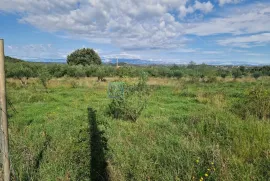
(26, 70)
(187, 131)
(128, 101)
(190, 127)
(85, 56)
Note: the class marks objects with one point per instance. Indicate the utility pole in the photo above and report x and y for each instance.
(4, 126)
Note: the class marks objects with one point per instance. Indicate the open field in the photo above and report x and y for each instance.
(188, 131)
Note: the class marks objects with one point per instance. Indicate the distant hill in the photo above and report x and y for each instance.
(14, 60)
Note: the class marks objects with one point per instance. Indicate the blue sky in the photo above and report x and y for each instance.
(169, 31)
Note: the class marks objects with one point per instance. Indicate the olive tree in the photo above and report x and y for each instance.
(85, 56)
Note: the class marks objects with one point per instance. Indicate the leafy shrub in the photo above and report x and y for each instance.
(44, 77)
(178, 74)
(129, 104)
(256, 103)
(236, 73)
(256, 75)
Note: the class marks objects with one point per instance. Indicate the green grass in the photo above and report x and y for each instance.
(185, 129)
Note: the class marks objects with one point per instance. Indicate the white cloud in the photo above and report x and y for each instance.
(36, 51)
(128, 24)
(246, 20)
(204, 7)
(246, 41)
(256, 54)
(222, 2)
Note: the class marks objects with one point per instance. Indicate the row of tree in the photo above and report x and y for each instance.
(87, 63)
(27, 70)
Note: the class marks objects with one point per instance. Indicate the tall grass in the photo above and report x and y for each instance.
(186, 132)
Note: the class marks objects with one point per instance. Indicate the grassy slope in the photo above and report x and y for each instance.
(185, 130)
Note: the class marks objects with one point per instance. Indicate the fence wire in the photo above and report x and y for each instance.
(12, 171)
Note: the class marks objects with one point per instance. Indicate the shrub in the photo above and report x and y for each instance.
(85, 56)
(256, 103)
(178, 74)
(236, 73)
(129, 104)
(21, 72)
(44, 77)
(256, 75)
(101, 74)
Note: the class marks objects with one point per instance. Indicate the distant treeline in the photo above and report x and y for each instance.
(16, 68)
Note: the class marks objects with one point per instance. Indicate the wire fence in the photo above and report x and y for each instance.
(2, 146)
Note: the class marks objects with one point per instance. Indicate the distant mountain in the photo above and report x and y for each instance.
(48, 60)
(133, 61)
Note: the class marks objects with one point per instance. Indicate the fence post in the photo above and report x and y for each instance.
(4, 126)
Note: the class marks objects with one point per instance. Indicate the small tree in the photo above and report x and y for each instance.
(101, 74)
(223, 75)
(256, 75)
(44, 77)
(129, 104)
(236, 73)
(85, 56)
(178, 74)
(21, 72)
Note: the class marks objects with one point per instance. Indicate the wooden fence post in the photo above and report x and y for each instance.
(4, 126)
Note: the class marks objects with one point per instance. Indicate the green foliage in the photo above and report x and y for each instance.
(256, 103)
(100, 73)
(44, 77)
(11, 59)
(178, 74)
(85, 56)
(18, 69)
(256, 75)
(51, 137)
(236, 73)
(130, 104)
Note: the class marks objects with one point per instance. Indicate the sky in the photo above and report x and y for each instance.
(168, 31)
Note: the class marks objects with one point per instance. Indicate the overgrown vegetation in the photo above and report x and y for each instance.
(187, 131)
(257, 103)
(195, 125)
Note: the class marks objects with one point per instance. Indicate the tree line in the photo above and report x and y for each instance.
(87, 63)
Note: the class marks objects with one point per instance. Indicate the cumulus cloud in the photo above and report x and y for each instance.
(204, 7)
(127, 24)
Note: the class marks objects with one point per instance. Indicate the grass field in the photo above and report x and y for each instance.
(188, 131)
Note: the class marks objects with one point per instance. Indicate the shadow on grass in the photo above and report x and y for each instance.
(98, 147)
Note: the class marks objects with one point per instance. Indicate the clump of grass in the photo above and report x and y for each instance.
(215, 99)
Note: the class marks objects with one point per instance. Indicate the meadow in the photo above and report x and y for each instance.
(189, 130)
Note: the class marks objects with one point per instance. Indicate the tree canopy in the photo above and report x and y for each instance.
(85, 56)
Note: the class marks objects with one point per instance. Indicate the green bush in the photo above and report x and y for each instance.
(129, 104)
(256, 103)
(44, 77)
(236, 73)
(256, 75)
